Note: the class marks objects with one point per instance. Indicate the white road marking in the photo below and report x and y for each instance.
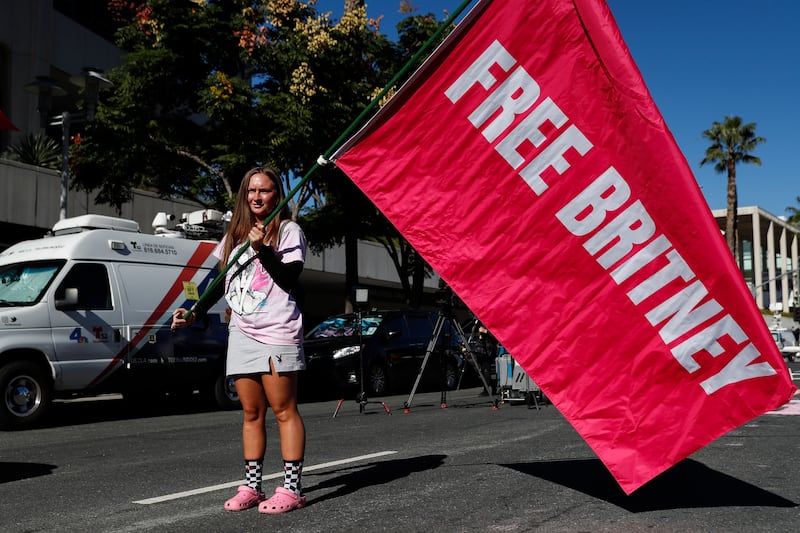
(187, 493)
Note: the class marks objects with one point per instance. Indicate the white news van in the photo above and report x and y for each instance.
(88, 311)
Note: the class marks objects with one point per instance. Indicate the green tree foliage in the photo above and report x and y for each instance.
(349, 215)
(208, 89)
(155, 129)
(731, 144)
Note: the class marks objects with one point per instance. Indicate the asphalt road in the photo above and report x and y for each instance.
(100, 467)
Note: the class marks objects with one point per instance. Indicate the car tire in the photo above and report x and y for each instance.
(26, 392)
(224, 393)
(377, 379)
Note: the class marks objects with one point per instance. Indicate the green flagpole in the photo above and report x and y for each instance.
(323, 159)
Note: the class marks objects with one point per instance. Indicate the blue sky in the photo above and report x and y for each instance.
(703, 60)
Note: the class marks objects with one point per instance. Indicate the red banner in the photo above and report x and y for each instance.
(528, 164)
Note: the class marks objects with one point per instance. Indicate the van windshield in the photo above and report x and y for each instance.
(345, 326)
(24, 283)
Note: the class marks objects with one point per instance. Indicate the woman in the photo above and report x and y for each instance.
(265, 343)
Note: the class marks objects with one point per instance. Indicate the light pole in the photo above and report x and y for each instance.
(45, 88)
(91, 80)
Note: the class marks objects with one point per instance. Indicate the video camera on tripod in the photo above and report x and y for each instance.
(445, 299)
(484, 348)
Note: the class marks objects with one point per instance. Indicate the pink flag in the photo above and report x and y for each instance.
(528, 164)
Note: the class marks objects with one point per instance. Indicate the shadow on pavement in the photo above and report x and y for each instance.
(353, 478)
(688, 484)
(113, 408)
(16, 471)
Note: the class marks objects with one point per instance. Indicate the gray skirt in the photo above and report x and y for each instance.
(249, 356)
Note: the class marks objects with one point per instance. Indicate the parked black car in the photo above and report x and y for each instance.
(395, 343)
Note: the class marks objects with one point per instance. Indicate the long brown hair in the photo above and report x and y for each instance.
(243, 219)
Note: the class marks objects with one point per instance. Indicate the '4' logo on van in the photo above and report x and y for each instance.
(77, 337)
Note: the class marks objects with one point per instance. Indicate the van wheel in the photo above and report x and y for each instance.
(224, 392)
(26, 394)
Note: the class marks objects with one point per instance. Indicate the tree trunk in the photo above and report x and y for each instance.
(731, 220)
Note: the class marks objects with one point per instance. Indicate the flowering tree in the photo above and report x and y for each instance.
(208, 89)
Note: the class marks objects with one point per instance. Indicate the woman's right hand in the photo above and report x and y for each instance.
(256, 237)
(180, 319)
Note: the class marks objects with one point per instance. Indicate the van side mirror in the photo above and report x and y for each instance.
(70, 300)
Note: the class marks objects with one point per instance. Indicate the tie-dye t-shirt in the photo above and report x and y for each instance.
(260, 308)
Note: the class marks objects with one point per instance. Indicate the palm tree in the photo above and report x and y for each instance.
(794, 218)
(731, 143)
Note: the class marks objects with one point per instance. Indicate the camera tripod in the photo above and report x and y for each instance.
(362, 394)
(482, 344)
(444, 316)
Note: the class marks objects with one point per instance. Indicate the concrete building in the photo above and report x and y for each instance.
(44, 49)
(768, 259)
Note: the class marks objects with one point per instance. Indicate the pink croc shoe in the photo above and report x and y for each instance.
(246, 497)
(282, 501)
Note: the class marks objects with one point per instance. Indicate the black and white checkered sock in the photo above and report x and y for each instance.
(292, 471)
(252, 473)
